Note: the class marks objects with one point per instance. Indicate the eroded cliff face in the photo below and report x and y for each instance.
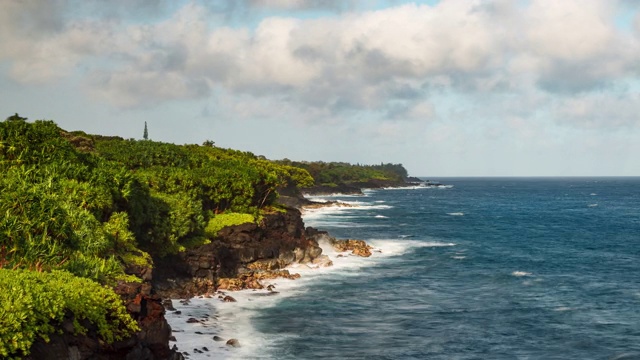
(240, 257)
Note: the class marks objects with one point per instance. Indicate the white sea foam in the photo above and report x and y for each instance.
(456, 214)
(419, 187)
(593, 194)
(458, 257)
(593, 205)
(334, 195)
(520, 273)
(381, 217)
(563, 308)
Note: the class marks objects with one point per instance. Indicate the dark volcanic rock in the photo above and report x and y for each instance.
(240, 251)
(233, 342)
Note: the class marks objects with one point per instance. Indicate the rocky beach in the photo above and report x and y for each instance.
(206, 289)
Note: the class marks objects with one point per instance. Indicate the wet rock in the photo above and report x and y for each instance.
(322, 261)
(233, 342)
(229, 299)
(357, 247)
(217, 338)
(264, 264)
(168, 305)
(192, 320)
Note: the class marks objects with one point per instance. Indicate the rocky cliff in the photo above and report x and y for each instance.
(239, 257)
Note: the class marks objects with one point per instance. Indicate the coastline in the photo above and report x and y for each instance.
(218, 324)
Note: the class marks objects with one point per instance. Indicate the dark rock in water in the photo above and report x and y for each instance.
(197, 351)
(172, 338)
(174, 347)
(168, 305)
(229, 299)
(205, 348)
(199, 332)
(192, 320)
(185, 353)
(178, 312)
(270, 287)
(217, 338)
(233, 342)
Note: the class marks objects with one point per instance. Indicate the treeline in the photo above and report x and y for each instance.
(92, 206)
(336, 173)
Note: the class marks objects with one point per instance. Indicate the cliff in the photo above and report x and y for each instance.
(247, 252)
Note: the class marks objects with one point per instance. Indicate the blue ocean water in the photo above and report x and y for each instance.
(493, 268)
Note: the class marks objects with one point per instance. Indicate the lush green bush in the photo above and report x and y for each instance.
(33, 304)
(229, 219)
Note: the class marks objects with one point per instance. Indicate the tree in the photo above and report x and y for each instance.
(16, 117)
(145, 135)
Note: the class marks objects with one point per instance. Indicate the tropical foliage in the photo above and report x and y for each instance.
(77, 210)
(86, 203)
(34, 304)
(334, 173)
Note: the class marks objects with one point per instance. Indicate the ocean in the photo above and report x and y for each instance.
(492, 268)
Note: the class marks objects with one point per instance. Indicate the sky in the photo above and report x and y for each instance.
(447, 88)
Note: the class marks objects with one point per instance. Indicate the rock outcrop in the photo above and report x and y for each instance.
(239, 258)
(357, 247)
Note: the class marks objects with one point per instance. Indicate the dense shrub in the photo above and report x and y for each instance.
(33, 304)
(222, 220)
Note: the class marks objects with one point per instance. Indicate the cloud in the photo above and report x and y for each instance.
(388, 62)
(600, 111)
(302, 4)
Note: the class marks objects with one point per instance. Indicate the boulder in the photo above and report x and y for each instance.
(168, 305)
(357, 247)
(322, 261)
(233, 342)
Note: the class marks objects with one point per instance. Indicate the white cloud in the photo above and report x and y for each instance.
(387, 61)
(600, 111)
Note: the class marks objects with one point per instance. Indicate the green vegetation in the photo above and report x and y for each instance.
(33, 304)
(93, 211)
(220, 221)
(77, 210)
(335, 173)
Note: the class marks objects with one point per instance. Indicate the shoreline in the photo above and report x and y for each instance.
(212, 316)
(214, 326)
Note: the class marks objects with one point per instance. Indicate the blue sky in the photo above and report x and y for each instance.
(448, 88)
